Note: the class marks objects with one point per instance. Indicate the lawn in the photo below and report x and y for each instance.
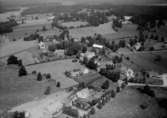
(126, 31)
(90, 31)
(15, 47)
(18, 90)
(146, 61)
(127, 105)
(74, 24)
(57, 70)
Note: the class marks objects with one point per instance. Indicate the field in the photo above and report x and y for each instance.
(127, 104)
(90, 31)
(128, 30)
(146, 61)
(74, 24)
(15, 47)
(25, 30)
(57, 70)
(18, 90)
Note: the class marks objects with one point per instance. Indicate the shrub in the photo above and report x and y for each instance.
(118, 89)
(106, 85)
(47, 91)
(48, 76)
(34, 72)
(92, 111)
(39, 77)
(22, 71)
(58, 84)
(148, 91)
(143, 106)
(52, 47)
(12, 60)
(113, 93)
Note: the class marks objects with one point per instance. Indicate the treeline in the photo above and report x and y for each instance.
(7, 27)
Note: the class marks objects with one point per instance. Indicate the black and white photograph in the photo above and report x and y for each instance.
(83, 58)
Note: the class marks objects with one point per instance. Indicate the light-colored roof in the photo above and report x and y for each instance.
(97, 46)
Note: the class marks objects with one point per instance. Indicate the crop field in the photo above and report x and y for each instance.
(18, 90)
(127, 104)
(57, 70)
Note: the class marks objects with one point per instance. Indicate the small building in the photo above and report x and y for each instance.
(87, 55)
(42, 45)
(98, 46)
(137, 46)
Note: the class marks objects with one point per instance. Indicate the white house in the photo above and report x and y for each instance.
(42, 45)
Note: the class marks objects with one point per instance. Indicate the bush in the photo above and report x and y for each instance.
(39, 77)
(47, 91)
(118, 89)
(34, 72)
(92, 111)
(143, 106)
(48, 76)
(113, 94)
(22, 71)
(158, 58)
(58, 84)
(12, 60)
(105, 85)
(52, 47)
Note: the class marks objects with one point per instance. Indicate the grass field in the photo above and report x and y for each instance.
(146, 61)
(57, 70)
(25, 30)
(127, 105)
(74, 24)
(16, 90)
(102, 29)
(126, 31)
(17, 46)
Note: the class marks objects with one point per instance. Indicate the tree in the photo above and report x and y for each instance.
(39, 77)
(12, 60)
(22, 71)
(105, 85)
(58, 84)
